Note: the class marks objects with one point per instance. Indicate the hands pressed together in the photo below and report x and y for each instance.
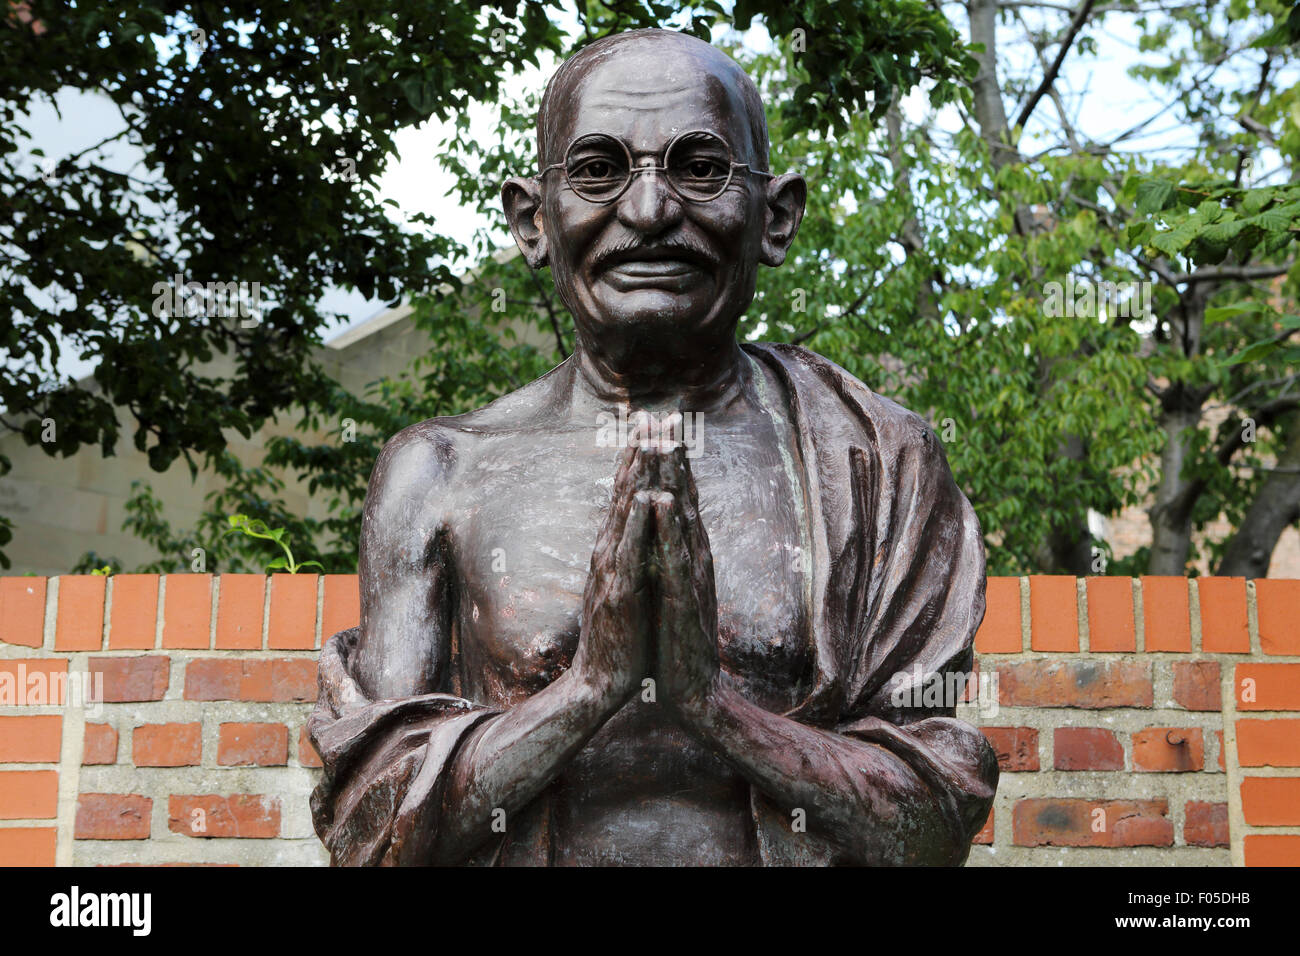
(650, 608)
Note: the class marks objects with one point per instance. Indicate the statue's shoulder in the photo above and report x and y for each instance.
(825, 388)
(434, 448)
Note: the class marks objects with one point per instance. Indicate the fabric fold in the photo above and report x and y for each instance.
(385, 764)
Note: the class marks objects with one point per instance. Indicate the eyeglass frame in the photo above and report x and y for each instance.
(633, 169)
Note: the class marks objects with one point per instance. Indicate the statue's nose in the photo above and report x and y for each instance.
(649, 205)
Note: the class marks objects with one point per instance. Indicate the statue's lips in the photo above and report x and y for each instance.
(676, 276)
(652, 268)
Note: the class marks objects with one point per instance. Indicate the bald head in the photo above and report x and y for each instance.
(668, 50)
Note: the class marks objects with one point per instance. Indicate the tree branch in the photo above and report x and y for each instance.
(1229, 273)
(1076, 24)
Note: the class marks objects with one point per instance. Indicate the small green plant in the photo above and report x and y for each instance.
(256, 528)
(105, 571)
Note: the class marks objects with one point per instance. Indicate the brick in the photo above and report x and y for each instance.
(22, 611)
(167, 745)
(34, 739)
(113, 816)
(1197, 685)
(133, 619)
(1205, 824)
(1272, 850)
(132, 679)
(1224, 627)
(292, 622)
(229, 678)
(1267, 686)
(79, 623)
(253, 745)
(245, 816)
(307, 755)
(1223, 763)
(1110, 615)
(985, 836)
(28, 794)
(341, 605)
(1103, 823)
(1053, 613)
(1271, 801)
(240, 605)
(27, 846)
(293, 679)
(1268, 743)
(1079, 683)
(999, 633)
(100, 745)
(1166, 619)
(1277, 604)
(1016, 747)
(1086, 748)
(972, 691)
(214, 678)
(33, 682)
(187, 611)
(1169, 749)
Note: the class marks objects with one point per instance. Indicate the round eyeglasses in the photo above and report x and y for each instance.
(697, 165)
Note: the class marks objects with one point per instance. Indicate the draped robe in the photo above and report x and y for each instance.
(897, 569)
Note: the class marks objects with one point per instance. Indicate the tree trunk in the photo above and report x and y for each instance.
(1064, 549)
(1171, 513)
(1276, 505)
(990, 112)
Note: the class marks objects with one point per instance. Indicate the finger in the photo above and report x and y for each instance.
(626, 478)
(670, 433)
(700, 555)
(643, 429)
(672, 561)
(672, 457)
(629, 559)
(667, 563)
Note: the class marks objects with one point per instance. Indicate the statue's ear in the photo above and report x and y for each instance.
(786, 197)
(522, 198)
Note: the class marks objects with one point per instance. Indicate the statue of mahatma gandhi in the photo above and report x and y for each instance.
(578, 654)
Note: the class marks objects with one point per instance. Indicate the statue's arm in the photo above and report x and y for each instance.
(863, 796)
(406, 580)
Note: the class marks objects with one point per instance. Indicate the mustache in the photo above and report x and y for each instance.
(633, 248)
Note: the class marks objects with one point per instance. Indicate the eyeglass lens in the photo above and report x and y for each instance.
(697, 165)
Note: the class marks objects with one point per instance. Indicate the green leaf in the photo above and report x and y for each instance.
(1254, 352)
(1153, 195)
(1224, 312)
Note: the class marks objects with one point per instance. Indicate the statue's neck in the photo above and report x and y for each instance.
(704, 380)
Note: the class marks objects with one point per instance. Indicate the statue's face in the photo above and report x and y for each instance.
(651, 263)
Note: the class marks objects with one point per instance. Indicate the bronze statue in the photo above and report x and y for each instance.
(572, 653)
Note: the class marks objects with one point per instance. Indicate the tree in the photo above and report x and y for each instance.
(1204, 223)
(1083, 322)
(261, 129)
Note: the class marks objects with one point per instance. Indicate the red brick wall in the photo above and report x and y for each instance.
(197, 753)
(1136, 721)
(1154, 720)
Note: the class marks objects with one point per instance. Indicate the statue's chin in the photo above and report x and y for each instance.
(654, 307)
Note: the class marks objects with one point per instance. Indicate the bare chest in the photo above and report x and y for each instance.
(525, 526)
